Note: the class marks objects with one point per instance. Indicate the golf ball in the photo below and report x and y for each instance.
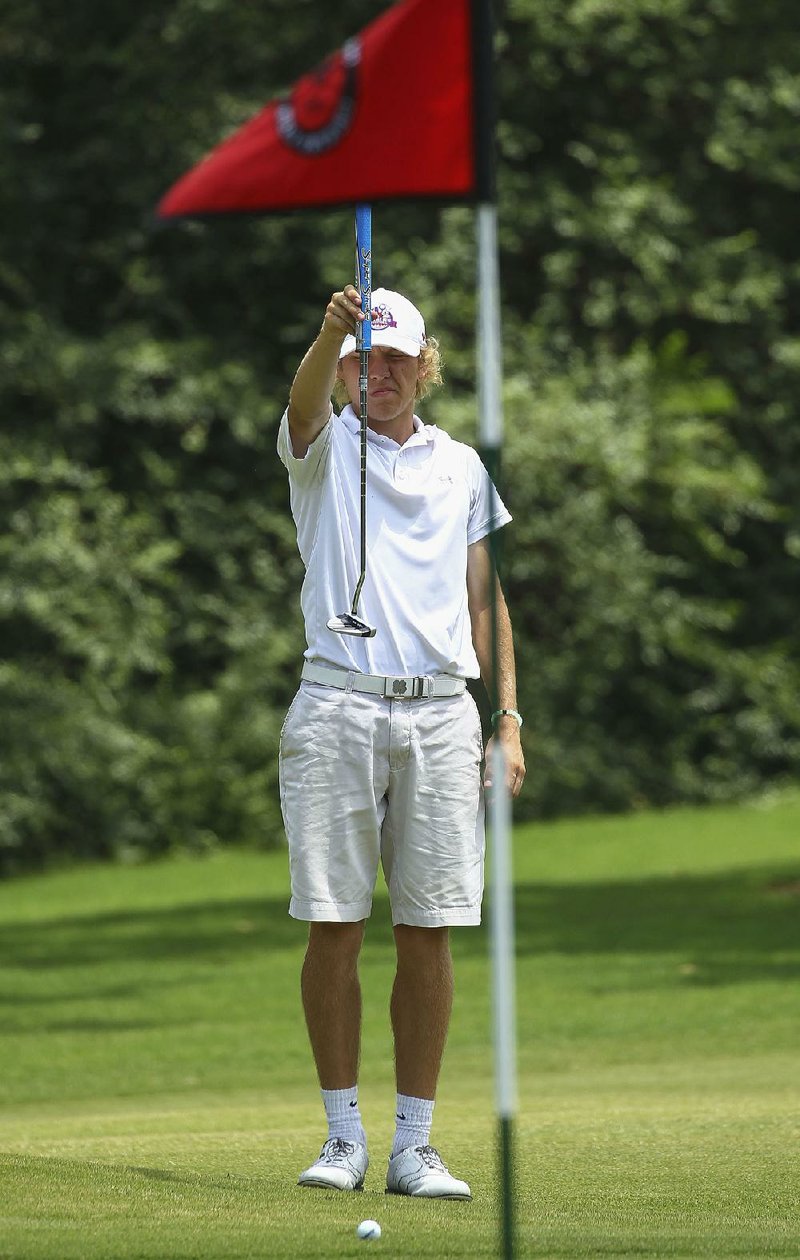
(368, 1229)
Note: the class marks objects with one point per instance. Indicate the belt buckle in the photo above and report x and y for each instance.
(395, 688)
(415, 688)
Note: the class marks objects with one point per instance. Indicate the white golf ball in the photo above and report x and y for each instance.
(368, 1229)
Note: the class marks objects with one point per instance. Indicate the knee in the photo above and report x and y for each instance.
(421, 944)
(337, 945)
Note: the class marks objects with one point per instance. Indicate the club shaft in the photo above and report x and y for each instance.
(364, 344)
(363, 384)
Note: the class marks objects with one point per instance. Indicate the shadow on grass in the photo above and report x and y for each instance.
(163, 1174)
(748, 923)
(211, 931)
(103, 1177)
(734, 912)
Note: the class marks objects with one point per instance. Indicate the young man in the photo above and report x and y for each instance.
(381, 749)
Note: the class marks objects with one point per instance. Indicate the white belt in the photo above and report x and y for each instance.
(420, 687)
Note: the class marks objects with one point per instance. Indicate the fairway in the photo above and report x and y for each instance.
(158, 1098)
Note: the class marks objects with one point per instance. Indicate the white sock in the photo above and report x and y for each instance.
(344, 1117)
(414, 1118)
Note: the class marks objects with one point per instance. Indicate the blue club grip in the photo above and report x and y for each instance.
(364, 274)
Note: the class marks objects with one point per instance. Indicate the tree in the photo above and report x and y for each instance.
(148, 572)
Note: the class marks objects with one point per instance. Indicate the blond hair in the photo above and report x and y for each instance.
(430, 375)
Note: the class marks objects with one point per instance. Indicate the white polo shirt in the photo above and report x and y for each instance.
(427, 501)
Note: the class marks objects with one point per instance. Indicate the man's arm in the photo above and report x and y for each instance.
(310, 395)
(480, 576)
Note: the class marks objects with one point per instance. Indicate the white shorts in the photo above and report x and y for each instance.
(366, 780)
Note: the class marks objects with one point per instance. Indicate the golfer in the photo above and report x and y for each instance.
(381, 749)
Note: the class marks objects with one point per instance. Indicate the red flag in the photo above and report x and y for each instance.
(390, 115)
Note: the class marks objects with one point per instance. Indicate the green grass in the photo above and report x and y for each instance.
(158, 1097)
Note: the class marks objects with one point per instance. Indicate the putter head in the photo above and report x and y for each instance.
(346, 623)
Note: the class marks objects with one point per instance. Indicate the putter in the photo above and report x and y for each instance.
(351, 623)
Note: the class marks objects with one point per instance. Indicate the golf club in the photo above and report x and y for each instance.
(351, 623)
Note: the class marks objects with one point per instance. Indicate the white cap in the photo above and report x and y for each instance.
(396, 322)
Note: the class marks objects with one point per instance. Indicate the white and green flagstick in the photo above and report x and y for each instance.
(499, 811)
(490, 409)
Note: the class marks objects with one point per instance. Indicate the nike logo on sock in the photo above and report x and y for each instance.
(354, 1104)
(400, 1116)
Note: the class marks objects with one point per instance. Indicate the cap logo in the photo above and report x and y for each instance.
(382, 317)
(320, 110)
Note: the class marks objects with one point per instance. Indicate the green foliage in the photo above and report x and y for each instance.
(148, 571)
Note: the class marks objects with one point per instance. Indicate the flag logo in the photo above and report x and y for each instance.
(320, 110)
(391, 115)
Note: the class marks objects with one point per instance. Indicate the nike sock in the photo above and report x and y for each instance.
(344, 1117)
(414, 1118)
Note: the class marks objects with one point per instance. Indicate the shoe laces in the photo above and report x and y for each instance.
(336, 1149)
(432, 1158)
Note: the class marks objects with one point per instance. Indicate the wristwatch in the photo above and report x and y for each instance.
(507, 713)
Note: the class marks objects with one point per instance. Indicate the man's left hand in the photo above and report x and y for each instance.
(507, 734)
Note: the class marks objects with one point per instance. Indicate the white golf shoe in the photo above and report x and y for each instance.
(341, 1166)
(420, 1171)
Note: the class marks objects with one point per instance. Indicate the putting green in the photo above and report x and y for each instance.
(158, 1098)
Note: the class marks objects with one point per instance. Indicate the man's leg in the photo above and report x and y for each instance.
(432, 851)
(422, 999)
(332, 1005)
(332, 1001)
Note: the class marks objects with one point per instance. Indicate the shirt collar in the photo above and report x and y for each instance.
(422, 435)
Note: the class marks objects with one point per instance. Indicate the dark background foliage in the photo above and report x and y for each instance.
(150, 635)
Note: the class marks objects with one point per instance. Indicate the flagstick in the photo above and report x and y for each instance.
(491, 430)
(502, 905)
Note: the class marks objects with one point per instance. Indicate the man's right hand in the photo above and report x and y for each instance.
(310, 395)
(343, 313)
